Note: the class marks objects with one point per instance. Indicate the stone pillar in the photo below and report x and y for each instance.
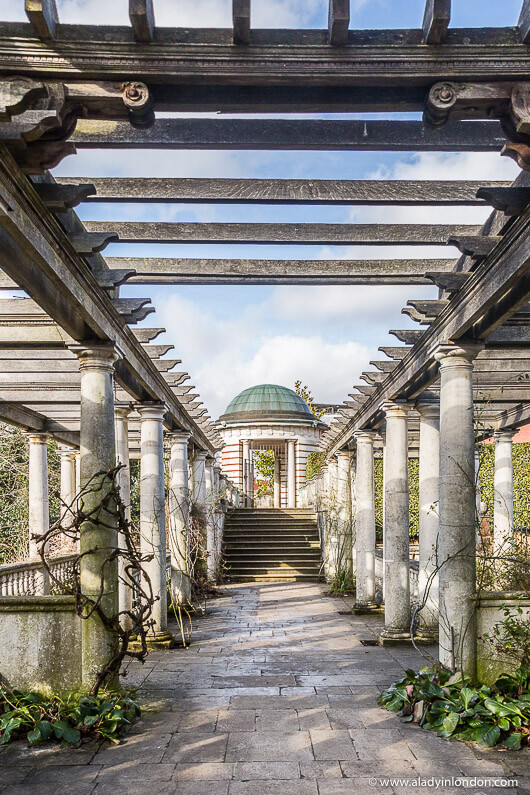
(99, 537)
(344, 512)
(199, 478)
(67, 456)
(38, 503)
(503, 491)
(121, 419)
(396, 530)
(291, 473)
(179, 509)
(457, 547)
(245, 456)
(277, 480)
(429, 499)
(153, 515)
(365, 522)
(219, 516)
(211, 564)
(77, 476)
(331, 541)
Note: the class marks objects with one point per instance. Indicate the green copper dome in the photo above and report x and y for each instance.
(267, 402)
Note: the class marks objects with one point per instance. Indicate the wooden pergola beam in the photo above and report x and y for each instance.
(273, 233)
(338, 21)
(142, 16)
(43, 17)
(241, 21)
(275, 191)
(436, 21)
(166, 270)
(280, 134)
(523, 25)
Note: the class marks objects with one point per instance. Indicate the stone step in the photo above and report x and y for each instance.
(283, 571)
(276, 578)
(268, 523)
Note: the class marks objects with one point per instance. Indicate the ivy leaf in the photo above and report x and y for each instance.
(34, 736)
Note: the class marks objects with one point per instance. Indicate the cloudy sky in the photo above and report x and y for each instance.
(233, 337)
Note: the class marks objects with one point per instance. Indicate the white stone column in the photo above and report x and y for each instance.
(344, 511)
(38, 503)
(457, 546)
(211, 563)
(429, 504)
(291, 473)
(153, 514)
(331, 541)
(277, 480)
(245, 456)
(365, 522)
(179, 509)
(199, 478)
(99, 537)
(396, 530)
(67, 456)
(219, 516)
(503, 491)
(121, 420)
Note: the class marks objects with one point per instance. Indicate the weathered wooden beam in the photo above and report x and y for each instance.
(408, 336)
(523, 25)
(299, 234)
(133, 310)
(448, 281)
(156, 351)
(166, 270)
(110, 279)
(509, 200)
(241, 21)
(338, 21)
(436, 21)
(278, 134)
(164, 365)
(285, 191)
(423, 311)
(385, 367)
(60, 198)
(147, 334)
(474, 245)
(142, 16)
(43, 17)
(395, 353)
(88, 243)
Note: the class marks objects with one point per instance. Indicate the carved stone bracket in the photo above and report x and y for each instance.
(507, 101)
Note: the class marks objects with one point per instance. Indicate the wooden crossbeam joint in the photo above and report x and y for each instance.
(43, 17)
(474, 246)
(241, 21)
(338, 21)
(436, 21)
(142, 16)
(511, 201)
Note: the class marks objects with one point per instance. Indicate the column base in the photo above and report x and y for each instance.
(367, 609)
(157, 640)
(426, 636)
(389, 637)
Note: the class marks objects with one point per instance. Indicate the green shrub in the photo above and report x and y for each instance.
(414, 528)
(68, 721)
(521, 481)
(314, 464)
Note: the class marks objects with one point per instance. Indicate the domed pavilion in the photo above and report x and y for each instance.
(269, 417)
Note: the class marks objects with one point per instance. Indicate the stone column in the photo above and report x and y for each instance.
(503, 491)
(153, 515)
(277, 480)
(67, 456)
(429, 498)
(38, 503)
(121, 419)
(199, 478)
(457, 546)
(245, 456)
(331, 541)
(211, 565)
(365, 522)
(396, 530)
(291, 473)
(99, 537)
(179, 509)
(344, 512)
(77, 476)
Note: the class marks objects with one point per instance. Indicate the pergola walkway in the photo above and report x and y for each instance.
(276, 695)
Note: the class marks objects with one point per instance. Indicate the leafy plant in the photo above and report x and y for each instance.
(447, 704)
(510, 638)
(342, 583)
(264, 463)
(305, 393)
(315, 463)
(68, 720)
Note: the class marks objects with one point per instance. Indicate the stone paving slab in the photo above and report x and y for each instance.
(277, 696)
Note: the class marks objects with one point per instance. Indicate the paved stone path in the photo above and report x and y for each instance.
(277, 696)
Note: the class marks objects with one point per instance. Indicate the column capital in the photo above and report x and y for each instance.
(392, 408)
(504, 435)
(366, 436)
(37, 437)
(178, 437)
(200, 455)
(101, 356)
(122, 409)
(428, 409)
(65, 450)
(452, 354)
(151, 411)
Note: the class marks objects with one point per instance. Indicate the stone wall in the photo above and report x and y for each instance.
(40, 643)
(489, 613)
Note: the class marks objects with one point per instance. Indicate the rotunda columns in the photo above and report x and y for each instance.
(291, 473)
(365, 521)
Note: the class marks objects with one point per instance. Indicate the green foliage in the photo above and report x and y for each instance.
(521, 480)
(69, 720)
(14, 463)
(305, 393)
(342, 583)
(510, 638)
(413, 498)
(264, 464)
(314, 464)
(445, 703)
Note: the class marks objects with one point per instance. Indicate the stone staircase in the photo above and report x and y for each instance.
(271, 544)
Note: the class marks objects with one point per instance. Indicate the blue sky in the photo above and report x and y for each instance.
(232, 337)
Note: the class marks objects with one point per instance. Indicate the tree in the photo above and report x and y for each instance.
(264, 463)
(305, 393)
